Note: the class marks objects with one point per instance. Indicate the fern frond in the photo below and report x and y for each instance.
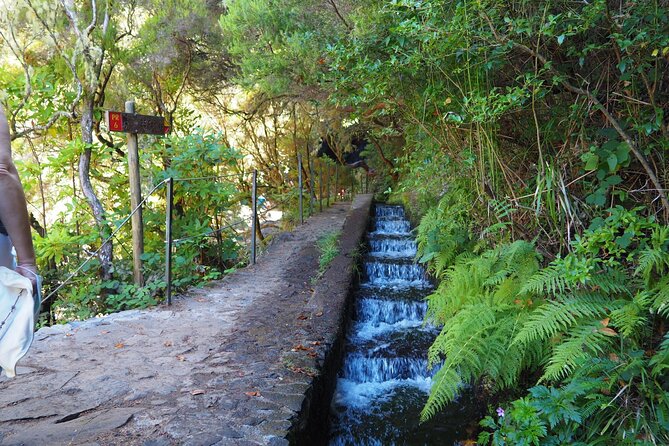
(632, 315)
(660, 360)
(559, 315)
(583, 341)
(651, 260)
(445, 388)
(461, 338)
(519, 259)
(504, 362)
(474, 343)
(661, 300)
(611, 281)
(549, 280)
(655, 258)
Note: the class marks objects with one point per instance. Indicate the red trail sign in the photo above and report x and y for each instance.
(134, 123)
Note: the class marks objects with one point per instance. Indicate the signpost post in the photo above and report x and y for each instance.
(133, 124)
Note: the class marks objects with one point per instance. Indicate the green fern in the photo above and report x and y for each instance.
(443, 234)
(549, 280)
(583, 342)
(660, 360)
(481, 309)
(474, 343)
(445, 388)
(560, 315)
(654, 260)
(610, 281)
(660, 303)
(633, 315)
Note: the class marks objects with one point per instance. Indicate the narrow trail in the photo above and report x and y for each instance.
(219, 367)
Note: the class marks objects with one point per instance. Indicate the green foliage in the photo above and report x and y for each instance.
(328, 248)
(443, 233)
(522, 426)
(205, 208)
(480, 305)
(598, 324)
(131, 296)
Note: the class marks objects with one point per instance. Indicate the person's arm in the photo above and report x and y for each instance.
(13, 208)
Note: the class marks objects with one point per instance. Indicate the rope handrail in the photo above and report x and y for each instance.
(205, 234)
(207, 177)
(96, 252)
(168, 242)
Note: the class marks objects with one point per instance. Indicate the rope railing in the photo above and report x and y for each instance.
(168, 235)
(209, 233)
(96, 252)
(211, 177)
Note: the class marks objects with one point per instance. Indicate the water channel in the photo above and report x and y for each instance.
(384, 381)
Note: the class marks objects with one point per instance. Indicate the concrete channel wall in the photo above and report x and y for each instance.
(331, 304)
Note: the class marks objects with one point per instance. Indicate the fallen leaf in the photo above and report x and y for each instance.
(608, 331)
(312, 354)
(181, 358)
(256, 393)
(303, 371)
(167, 343)
(197, 392)
(316, 343)
(303, 317)
(120, 345)
(605, 322)
(301, 347)
(104, 332)
(319, 314)
(68, 334)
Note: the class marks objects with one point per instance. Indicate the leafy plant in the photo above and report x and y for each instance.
(328, 248)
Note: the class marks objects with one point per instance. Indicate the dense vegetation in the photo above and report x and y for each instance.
(62, 65)
(528, 138)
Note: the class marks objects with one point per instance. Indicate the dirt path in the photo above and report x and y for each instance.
(217, 368)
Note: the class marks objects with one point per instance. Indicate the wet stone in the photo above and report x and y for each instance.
(157, 442)
(291, 401)
(229, 432)
(275, 427)
(277, 441)
(203, 440)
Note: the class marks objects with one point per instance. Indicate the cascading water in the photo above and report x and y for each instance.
(384, 381)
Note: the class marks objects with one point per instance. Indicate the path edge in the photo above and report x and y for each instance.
(330, 306)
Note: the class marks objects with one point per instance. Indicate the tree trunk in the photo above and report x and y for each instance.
(105, 256)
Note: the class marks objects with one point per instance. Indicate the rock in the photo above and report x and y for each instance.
(75, 431)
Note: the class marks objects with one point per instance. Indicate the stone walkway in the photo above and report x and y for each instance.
(228, 364)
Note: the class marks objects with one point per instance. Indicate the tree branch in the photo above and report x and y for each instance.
(595, 101)
(334, 6)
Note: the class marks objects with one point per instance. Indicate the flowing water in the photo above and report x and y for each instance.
(384, 381)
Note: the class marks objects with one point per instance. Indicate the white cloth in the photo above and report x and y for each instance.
(16, 333)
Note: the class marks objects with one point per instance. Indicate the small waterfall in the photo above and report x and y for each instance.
(362, 369)
(392, 247)
(394, 273)
(384, 381)
(377, 311)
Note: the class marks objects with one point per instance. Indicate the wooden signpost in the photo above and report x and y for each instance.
(133, 124)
